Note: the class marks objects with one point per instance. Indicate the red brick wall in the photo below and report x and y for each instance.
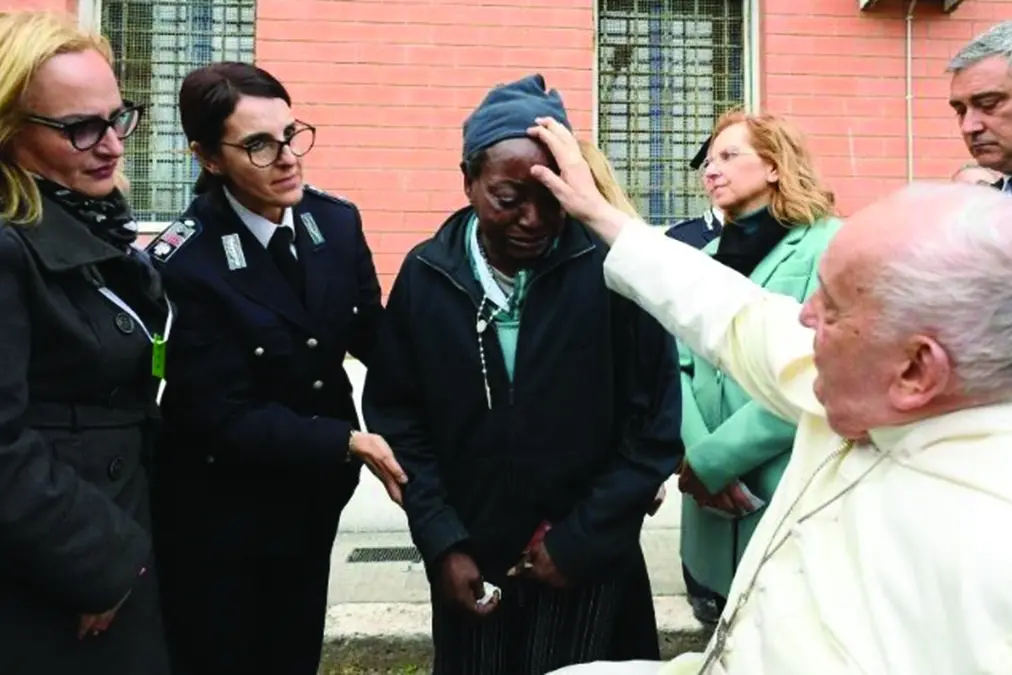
(840, 74)
(388, 84)
(57, 5)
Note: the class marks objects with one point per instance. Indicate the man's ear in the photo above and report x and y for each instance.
(928, 375)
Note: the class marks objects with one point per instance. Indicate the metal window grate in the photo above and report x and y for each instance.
(667, 69)
(155, 44)
(375, 554)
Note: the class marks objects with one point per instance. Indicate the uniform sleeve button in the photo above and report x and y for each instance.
(311, 343)
(209, 459)
(318, 384)
(259, 351)
(354, 310)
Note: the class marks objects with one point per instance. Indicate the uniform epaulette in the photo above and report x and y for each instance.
(681, 222)
(326, 195)
(173, 238)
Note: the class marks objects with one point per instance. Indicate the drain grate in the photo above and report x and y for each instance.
(377, 554)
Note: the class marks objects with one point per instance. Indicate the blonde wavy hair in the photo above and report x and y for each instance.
(605, 178)
(27, 40)
(799, 195)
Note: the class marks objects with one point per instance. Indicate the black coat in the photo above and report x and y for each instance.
(583, 438)
(76, 421)
(258, 407)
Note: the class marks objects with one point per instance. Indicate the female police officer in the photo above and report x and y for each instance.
(259, 455)
(78, 304)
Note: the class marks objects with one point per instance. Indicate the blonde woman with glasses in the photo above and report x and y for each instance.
(81, 308)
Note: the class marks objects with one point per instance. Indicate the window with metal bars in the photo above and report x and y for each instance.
(667, 69)
(155, 44)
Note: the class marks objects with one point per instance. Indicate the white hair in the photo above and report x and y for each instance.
(954, 282)
(995, 42)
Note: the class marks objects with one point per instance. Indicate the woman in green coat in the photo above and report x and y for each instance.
(778, 223)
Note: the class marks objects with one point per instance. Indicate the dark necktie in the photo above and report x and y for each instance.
(280, 248)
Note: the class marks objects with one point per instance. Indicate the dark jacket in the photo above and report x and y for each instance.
(583, 438)
(697, 232)
(258, 407)
(76, 420)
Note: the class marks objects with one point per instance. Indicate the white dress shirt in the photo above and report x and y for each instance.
(891, 558)
(262, 228)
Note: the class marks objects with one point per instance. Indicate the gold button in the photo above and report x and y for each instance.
(259, 351)
(311, 343)
(318, 384)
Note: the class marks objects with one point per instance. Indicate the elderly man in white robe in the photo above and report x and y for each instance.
(886, 549)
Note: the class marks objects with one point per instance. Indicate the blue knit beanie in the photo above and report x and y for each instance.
(508, 110)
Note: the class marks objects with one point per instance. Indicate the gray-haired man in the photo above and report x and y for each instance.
(981, 95)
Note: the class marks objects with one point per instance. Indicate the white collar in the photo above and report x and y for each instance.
(261, 228)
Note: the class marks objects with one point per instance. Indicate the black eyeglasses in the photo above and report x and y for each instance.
(85, 133)
(264, 152)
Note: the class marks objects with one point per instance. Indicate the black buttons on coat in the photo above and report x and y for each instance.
(116, 467)
(125, 323)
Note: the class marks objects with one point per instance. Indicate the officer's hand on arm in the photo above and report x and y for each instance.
(377, 455)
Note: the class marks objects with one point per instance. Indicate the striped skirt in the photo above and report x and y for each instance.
(537, 629)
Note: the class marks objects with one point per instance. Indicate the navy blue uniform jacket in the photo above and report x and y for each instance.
(696, 232)
(583, 437)
(258, 408)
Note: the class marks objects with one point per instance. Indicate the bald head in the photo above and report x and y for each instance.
(976, 175)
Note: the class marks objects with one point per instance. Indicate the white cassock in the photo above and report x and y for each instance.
(891, 558)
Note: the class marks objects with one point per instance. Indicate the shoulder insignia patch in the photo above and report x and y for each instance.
(172, 238)
(326, 195)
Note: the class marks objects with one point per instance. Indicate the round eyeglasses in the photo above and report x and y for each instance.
(265, 151)
(85, 132)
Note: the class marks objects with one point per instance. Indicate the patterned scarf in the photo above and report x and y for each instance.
(108, 218)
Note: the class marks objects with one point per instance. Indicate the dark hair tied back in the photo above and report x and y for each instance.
(209, 96)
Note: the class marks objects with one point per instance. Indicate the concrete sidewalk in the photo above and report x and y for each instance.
(378, 616)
